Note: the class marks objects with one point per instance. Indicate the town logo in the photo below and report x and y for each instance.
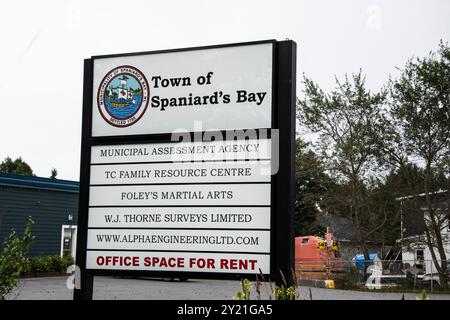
(123, 96)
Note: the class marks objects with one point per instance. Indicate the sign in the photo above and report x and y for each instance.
(187, 163)
(222, 88)
(187, 262)
(142, 199)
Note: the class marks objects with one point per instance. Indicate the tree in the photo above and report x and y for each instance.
(14, 250)
(311, 185)
(17, 166)
(345, 122)
(53, 174)
(416, 128)
(384, 199)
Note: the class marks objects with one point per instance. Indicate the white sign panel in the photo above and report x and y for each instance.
(179, 195)
(198, 90)
(176, 240)
(179, 261)
(250, 149)
(181, 217)
(188, 172)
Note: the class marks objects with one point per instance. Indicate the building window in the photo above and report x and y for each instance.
(419, 258)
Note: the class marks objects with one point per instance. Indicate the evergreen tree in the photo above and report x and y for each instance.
(53, 174)
(17, 166)
(311, 185)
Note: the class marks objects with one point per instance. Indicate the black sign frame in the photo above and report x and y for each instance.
(282, 183)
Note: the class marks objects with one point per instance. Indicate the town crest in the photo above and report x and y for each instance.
(123, 96)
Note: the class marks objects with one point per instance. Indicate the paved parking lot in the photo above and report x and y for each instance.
(109, 288)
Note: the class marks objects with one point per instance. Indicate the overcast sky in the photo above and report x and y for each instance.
(43, 44)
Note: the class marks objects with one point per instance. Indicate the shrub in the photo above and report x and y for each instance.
(47, 264)
(285, 293)
(56, 264)
(67, 261)
(423, 296)
(282, 292)
(12, 258)
(39, 265)
(246, 290)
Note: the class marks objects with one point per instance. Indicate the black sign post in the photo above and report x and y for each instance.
(282, 182)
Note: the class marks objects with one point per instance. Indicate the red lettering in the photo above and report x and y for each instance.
(171, 262)
(243, 264)
(117, 261)
(201, 263)
(237, 264)
(223, 263)
(100, 260)
(210, 264)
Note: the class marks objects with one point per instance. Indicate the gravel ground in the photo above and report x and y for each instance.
(109, 288)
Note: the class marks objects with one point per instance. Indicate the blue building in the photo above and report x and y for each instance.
(52, 203)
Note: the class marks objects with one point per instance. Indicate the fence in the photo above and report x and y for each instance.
(374, 274)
